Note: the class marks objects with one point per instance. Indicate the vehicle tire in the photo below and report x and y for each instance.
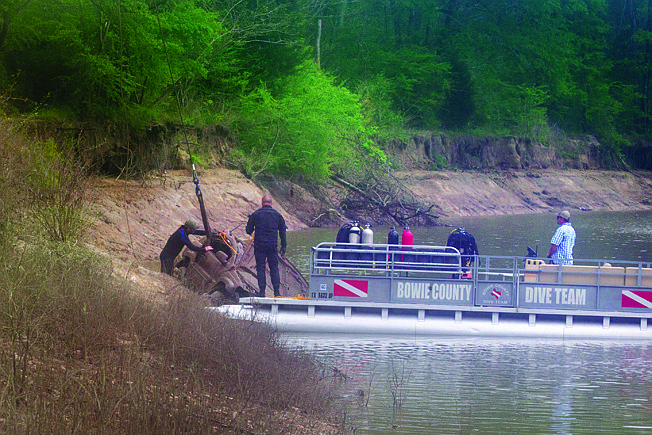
(218, 295)
(240, 293)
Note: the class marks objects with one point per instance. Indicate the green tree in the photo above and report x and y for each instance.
(389, 40)
(310, 128)
(630, 34)
(97, 57)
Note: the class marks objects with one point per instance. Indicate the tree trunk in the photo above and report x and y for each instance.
(318, 44)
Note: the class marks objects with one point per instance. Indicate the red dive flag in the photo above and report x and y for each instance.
(496, 293)
(637, 299)
(350, 288)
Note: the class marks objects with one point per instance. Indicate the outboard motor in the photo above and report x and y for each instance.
(343, 233)
(342, 237)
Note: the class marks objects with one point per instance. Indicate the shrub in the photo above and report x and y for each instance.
(83, 352)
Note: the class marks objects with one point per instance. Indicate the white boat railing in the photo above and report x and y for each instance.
(382, 259)
(446, 262)
(611, 273)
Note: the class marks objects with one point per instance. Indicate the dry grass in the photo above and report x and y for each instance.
(81, 352)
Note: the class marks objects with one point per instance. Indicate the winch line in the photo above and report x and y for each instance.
(195, 178)
(125, 169)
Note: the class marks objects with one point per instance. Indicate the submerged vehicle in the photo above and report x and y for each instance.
(430, 290)
(228, 272)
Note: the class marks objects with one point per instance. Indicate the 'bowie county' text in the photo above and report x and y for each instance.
(426, 290)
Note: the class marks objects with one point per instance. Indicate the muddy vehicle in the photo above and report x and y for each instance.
(229, 271)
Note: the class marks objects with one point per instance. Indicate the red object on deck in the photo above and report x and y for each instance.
(407, 238)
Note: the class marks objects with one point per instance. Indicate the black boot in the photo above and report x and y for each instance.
(277, 293)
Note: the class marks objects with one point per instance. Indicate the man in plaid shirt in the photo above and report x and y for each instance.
(563, 241)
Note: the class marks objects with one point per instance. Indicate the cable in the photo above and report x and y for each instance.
(195, 178)
(174, 85)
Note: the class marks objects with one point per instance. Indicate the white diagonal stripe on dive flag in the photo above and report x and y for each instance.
(637, 298)
(348, 286)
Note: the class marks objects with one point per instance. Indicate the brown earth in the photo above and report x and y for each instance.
(522, 192)
(137, 217)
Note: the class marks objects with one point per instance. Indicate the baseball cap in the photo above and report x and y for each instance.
(564, 214)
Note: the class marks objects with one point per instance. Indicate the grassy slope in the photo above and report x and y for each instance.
(85, 350)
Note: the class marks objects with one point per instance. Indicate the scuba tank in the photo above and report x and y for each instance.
(392, 237)
(367, 235)
(407, 237)
(367, 240)
(354, 239)
(406, 241)
(354, 233)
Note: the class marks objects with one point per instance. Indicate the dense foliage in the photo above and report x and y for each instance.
(303, 84)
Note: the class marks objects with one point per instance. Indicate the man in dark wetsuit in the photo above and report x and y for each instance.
(268, 225)
(177, 241)
(465, 243)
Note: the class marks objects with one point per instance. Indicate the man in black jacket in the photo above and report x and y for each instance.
(268, 225)
(177, 241)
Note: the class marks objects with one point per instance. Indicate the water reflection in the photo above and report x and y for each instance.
(443, 385)
(437, 385)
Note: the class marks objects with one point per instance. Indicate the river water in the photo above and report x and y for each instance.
(439, 385)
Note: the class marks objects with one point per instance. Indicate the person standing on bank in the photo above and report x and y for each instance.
(268, 225)
(177, 241)
(563, 241)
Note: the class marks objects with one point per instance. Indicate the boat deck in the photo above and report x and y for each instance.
(425, 290)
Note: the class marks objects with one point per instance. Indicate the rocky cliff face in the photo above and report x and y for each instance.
(458, 175)
(160, 147)
(428, 151)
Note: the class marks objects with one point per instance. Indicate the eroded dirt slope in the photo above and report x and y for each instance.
(520, 192)
(136, 218)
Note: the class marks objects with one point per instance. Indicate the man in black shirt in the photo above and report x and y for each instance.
(268, 225)
(177, 241)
